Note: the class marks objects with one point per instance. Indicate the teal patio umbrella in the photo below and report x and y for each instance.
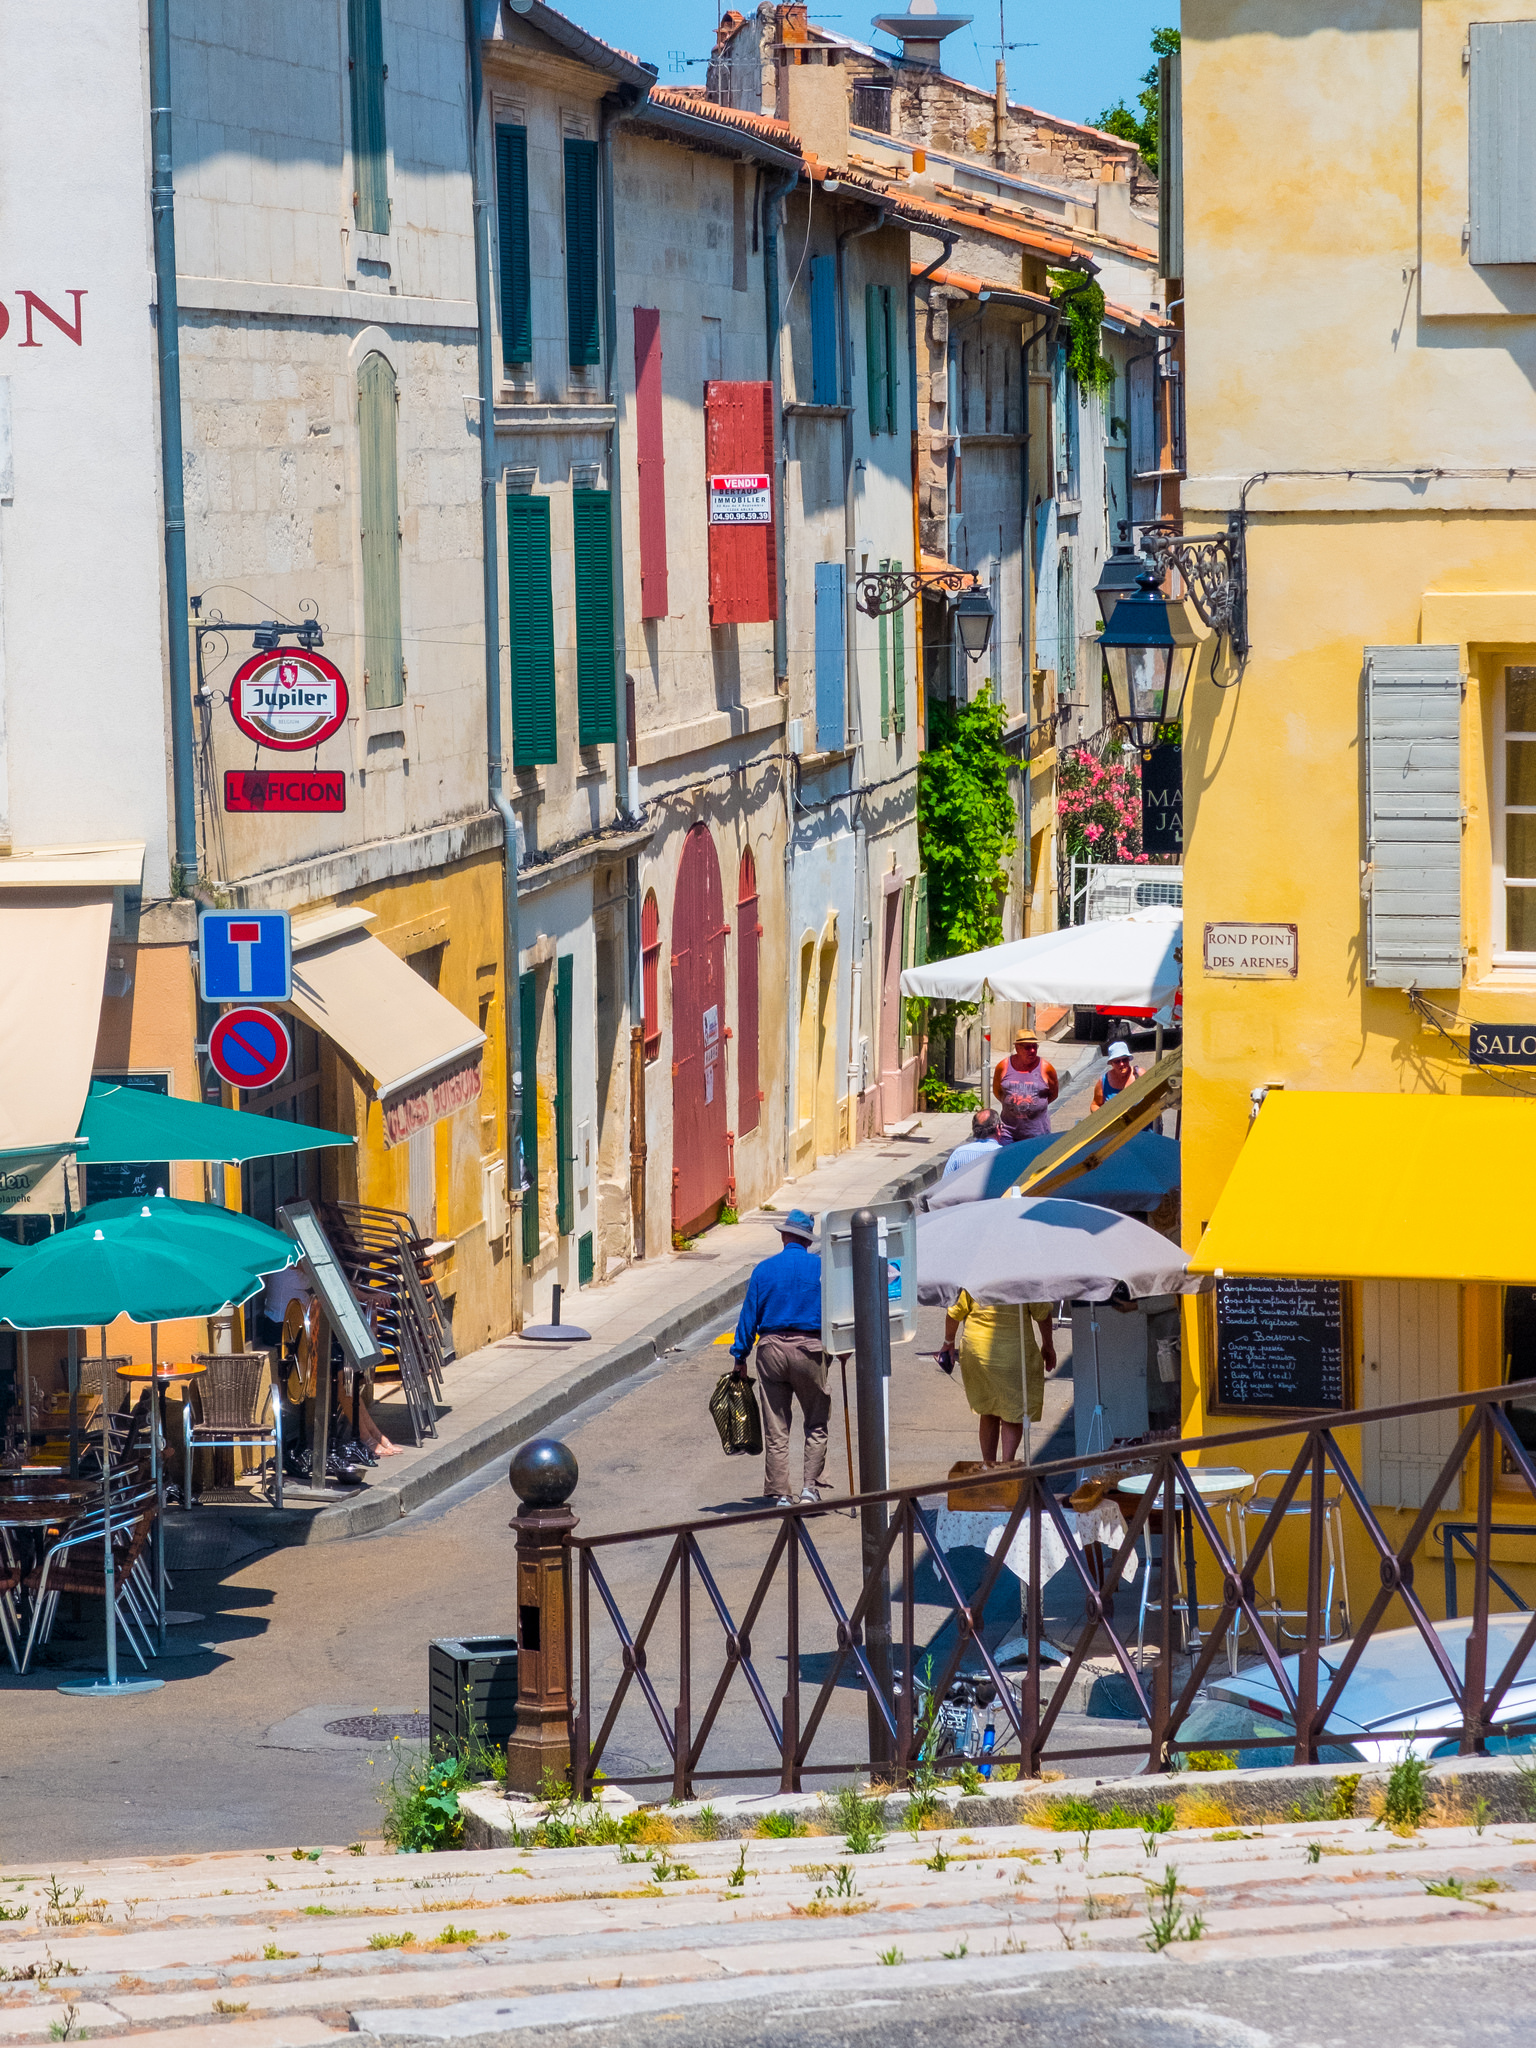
(225, 1233)
(121, 1126)
(133, 1266)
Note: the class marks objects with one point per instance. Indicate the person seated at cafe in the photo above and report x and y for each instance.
(1026, 1086)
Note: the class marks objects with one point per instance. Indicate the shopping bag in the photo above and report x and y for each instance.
(733, 1404)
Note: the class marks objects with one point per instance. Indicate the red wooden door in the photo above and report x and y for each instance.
(699, 931)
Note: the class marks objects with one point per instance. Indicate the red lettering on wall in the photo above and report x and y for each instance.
(33, 304)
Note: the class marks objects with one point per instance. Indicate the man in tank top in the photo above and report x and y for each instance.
(1026, 1086)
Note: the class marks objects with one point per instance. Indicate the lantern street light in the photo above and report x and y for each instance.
(1119, 576)
(973, 619)
(1149, 650)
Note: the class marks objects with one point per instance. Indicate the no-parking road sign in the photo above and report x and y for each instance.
(249, 1047)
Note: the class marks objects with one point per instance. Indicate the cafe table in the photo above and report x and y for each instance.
(1222, 1485)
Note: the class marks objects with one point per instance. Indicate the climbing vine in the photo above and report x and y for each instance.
(1082, 308)
(966, 824)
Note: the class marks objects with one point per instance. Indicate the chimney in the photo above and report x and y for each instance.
(921, 30)
(812, 88)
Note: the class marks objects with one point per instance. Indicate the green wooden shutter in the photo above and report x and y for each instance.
(899, 662)
(920, 924)
(892, 357)
(908, 891)
(528, 1029)
(383, 658)
(885, 670)
(531, 626)
(581, 253)
(365, 51)
(596, 704)
(565, 1121)
(876, 367)
(512, 243)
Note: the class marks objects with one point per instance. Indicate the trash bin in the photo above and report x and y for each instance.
(471, 1678)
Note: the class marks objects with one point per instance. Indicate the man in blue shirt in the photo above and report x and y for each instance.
(782, 1315)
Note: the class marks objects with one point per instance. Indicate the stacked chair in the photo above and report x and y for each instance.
(385, 1260)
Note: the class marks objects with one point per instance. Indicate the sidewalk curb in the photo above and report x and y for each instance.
(387, 1502)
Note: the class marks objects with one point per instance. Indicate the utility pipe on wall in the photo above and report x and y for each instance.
(491, 598)
(949, 240)
(773, 321)
(167, 347)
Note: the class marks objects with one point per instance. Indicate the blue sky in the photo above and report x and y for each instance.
(1087, 53)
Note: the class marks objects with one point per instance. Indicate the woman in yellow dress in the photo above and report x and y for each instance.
(1005, 1354)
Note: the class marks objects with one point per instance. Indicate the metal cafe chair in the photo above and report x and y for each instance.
(1257, 1509)
(229, 1400)
(60, 1572)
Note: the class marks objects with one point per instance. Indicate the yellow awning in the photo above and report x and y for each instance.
(53, 941)
(1385, 1187)
(1089, 1143)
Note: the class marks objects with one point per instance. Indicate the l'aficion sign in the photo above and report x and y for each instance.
(1251, 952)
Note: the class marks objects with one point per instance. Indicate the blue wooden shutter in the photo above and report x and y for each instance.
(885, 667)
(531, 629)
(1502, 119)
(893, 355)
(877, 369)
(830, 693)
(383, 655)
(581, 252)
(1170, 166)
(565, 1101)
(528, 1053)
(512, 242)
(823, 330)
(597, 715)
(1413, 817)
(899, 664)
(365, 55)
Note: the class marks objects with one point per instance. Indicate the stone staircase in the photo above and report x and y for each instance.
(287, 1949)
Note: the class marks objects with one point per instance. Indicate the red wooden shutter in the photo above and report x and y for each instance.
(650, 962)
(743, 560)
(748, 936)
(651, 458)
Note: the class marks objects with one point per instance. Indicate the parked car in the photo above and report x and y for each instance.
(1396, 1685)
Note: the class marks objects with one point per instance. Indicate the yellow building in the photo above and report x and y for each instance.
(1359, 288)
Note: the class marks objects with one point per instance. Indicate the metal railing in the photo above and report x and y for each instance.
(796, 1580)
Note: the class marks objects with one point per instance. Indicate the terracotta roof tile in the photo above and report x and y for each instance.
(695, 103)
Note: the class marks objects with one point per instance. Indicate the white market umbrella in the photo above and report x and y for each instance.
(1133, 962)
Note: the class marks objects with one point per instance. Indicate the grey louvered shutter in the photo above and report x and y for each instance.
(1502, 130)
(1413, 817)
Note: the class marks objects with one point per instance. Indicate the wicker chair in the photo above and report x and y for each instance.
(227, 1398)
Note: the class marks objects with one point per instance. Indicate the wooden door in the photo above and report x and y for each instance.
(699, 930)
(1410, 1351)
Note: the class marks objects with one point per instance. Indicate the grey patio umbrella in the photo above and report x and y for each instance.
(1043, 1249)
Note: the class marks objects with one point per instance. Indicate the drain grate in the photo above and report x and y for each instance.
(383, 1727)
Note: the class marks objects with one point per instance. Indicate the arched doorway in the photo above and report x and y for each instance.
(699, 1153)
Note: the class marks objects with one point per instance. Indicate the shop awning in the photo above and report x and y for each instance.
(420, 1055)
(53, 946)
(1388, 1187)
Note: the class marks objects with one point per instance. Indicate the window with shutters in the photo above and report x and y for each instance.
(1413, 817)
(367, 72)
(824, 330)
(1514, 787)
(749, 937)
(650, 974)
(531, 630)
(581, 252)
(1502, 121)
(651, 462)
(880, 357)
(383, 654)
(596, 703)
(1066, 407)
(512, 243)
(830, 694)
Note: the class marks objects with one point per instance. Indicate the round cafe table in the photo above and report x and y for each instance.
(138, 1373)
(1213, 1483)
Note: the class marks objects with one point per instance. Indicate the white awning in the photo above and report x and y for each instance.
(53, 964)
(1137, 961)
(421, 1055)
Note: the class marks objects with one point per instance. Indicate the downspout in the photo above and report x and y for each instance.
(853, 702)
(1027, 540)
(167, 347)
(625, 804)
(922, 276)
(773, 194)
(491, 600)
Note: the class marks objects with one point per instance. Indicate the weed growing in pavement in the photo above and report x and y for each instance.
(840, 1896)
(421, 1795)
(1314, 1852)
(956, 1955)
(738, 1876)
(39, 1973)
(1446, 1888)
(782, 1827)
(706, 1824)
(328, 1912)
(227, 2005)
(860, 1821)
(13, 1912)
(68, 2028)
(1209, 1760)
(664, 1871)
(75, 1910)
(891, 1956)
(456, 1937)
(1526, 1766)
(390, 1940)
(1481, 1810)
(1065, 1922)
(937, 1861)
(357, 1848)
(305, 1855)
(1169, 1920)
(1407, 1798)
(273, 1954)
(970, 1780)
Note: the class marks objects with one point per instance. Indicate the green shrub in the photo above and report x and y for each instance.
(860, 1821)
(1209, 1760)
(421, 1805)
(1407, 1793)
(781, 1827)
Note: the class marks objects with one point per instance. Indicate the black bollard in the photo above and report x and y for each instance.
(872, 1371)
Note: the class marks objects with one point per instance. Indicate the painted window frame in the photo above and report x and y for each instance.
(1503, 954)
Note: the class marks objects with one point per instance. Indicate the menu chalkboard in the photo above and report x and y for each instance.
(1280, 1344)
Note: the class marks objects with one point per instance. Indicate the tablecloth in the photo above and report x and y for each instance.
(1104, 1524)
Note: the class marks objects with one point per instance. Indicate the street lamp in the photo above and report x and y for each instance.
(1149, 650)
(1119, 576)
(973, 619)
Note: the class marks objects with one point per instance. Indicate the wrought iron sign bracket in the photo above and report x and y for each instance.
(1214, 570)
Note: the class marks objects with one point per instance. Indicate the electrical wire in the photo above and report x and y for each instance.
(1423, 1007)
